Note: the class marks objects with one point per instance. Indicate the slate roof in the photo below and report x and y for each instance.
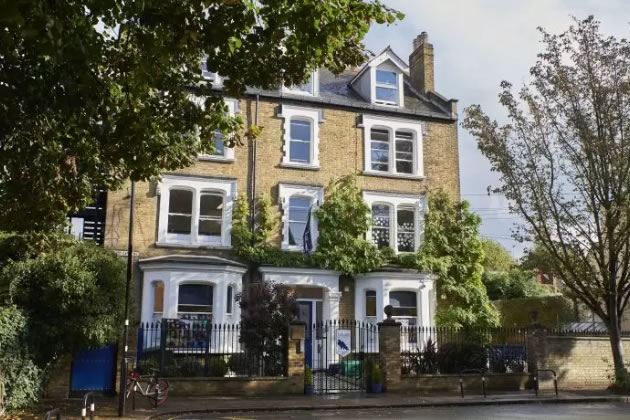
(336, 91)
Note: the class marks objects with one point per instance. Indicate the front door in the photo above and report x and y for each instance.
(306, 314)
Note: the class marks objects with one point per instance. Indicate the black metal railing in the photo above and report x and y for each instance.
(188, 349)
(581, 330)
(437, 350)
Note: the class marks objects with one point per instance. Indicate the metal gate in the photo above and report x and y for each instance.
(94, 370)
(341, 355)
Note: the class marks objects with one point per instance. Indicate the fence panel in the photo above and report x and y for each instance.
(437, 350)
(188, 349)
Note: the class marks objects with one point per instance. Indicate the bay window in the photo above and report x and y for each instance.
(194, 301)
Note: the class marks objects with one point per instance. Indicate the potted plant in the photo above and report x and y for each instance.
(375, 379)
(308, 381)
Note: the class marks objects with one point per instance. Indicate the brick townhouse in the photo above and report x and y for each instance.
(383, 122)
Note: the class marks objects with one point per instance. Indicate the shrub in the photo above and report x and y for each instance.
(308, 376)
(552, 311)
(455, 357)
(217, 367)
(23, 379)
(375, 374)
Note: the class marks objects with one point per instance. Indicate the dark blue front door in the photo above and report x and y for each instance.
(94, 370)
(306, 315)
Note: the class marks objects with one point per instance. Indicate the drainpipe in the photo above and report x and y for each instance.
(254, 155)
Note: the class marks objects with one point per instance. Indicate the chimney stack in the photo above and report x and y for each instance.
(421, 64)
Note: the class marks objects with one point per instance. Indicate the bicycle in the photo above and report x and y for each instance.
(156, 389)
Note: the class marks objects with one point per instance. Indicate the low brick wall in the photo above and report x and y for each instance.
(236, 386)
(580, 362)
(472, 384)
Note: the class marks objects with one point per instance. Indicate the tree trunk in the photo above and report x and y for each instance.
(614, 333)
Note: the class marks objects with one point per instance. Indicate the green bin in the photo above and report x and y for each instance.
(351, 368)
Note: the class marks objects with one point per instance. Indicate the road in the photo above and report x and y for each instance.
(524, 411)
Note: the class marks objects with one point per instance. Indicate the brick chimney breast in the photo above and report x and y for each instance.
(421, 64)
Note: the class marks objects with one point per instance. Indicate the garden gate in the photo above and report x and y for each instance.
(342, 354)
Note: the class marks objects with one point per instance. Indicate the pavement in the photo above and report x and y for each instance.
(199, 407)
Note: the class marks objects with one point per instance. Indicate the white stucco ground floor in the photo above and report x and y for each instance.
(200, 288)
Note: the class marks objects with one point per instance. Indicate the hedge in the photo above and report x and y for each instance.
(552, 311)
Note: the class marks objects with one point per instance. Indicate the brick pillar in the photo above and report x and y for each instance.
(389, 351)
(295, 355)
(536, 345)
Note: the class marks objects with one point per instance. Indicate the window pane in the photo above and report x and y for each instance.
(179, 224)
(404, 303)
(298, 209)
(158, 297)
(386, 77)
(211, 205)
(210, 227)
(370, 303)
(406, 230)
(305, 87)
(228, 307)
(404, 146)
(296, 233)
(300, 152)
(219, 149)
(300, 130)
(195, 298)
(180, 201)
(404, 167)
(381, 135)
(386, 94)
(380, 225)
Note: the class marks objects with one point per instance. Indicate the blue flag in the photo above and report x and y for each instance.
(307, 240)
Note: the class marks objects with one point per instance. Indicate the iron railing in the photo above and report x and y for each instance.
(188, 349)
(437, 350)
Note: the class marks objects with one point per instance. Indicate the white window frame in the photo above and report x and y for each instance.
(392, 125)
(314, 91)
(395, 87)
(390, 209)
(285, 192)
(224, 187)
(400, 85)
(228, 152)
(417, 203)
(288, 113)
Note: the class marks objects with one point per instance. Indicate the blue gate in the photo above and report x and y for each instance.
(94, 370)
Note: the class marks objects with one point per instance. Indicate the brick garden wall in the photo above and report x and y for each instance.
(580, 362)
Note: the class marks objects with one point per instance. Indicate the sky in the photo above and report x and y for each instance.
(477, 44)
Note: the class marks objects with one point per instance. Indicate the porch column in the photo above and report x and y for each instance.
(331, 301)
(425, 312)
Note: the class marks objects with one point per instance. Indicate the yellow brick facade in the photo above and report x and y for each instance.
(341, 152)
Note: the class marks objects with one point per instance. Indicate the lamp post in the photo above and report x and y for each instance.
(123, 362)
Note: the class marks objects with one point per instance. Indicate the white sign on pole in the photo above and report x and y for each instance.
(344, 342)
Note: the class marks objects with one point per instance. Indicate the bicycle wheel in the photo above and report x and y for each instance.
(158, 392)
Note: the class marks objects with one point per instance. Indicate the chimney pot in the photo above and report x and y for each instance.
(421, 64)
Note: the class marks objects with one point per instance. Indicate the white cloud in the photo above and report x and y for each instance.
(477, 44)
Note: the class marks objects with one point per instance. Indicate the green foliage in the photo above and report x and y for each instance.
(496, 257)
(131, 68)
(72, 296)
(23, 379)
(375, 374)
(343, 220)
(552, 311)
(217, 367)
(308, 375)
(452, 249)
(265, 223)
(513, 284)
(267, 309)
(241, 233)
(455, 357)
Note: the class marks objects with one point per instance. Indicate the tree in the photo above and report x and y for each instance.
(71, 296)
(496, 257)
(452, 249)
(563, 162)
(267, 311)
(95, 92)
(343, 220)
(513, 284)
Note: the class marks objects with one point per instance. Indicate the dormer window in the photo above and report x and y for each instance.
(310, 87)
(386, 87)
